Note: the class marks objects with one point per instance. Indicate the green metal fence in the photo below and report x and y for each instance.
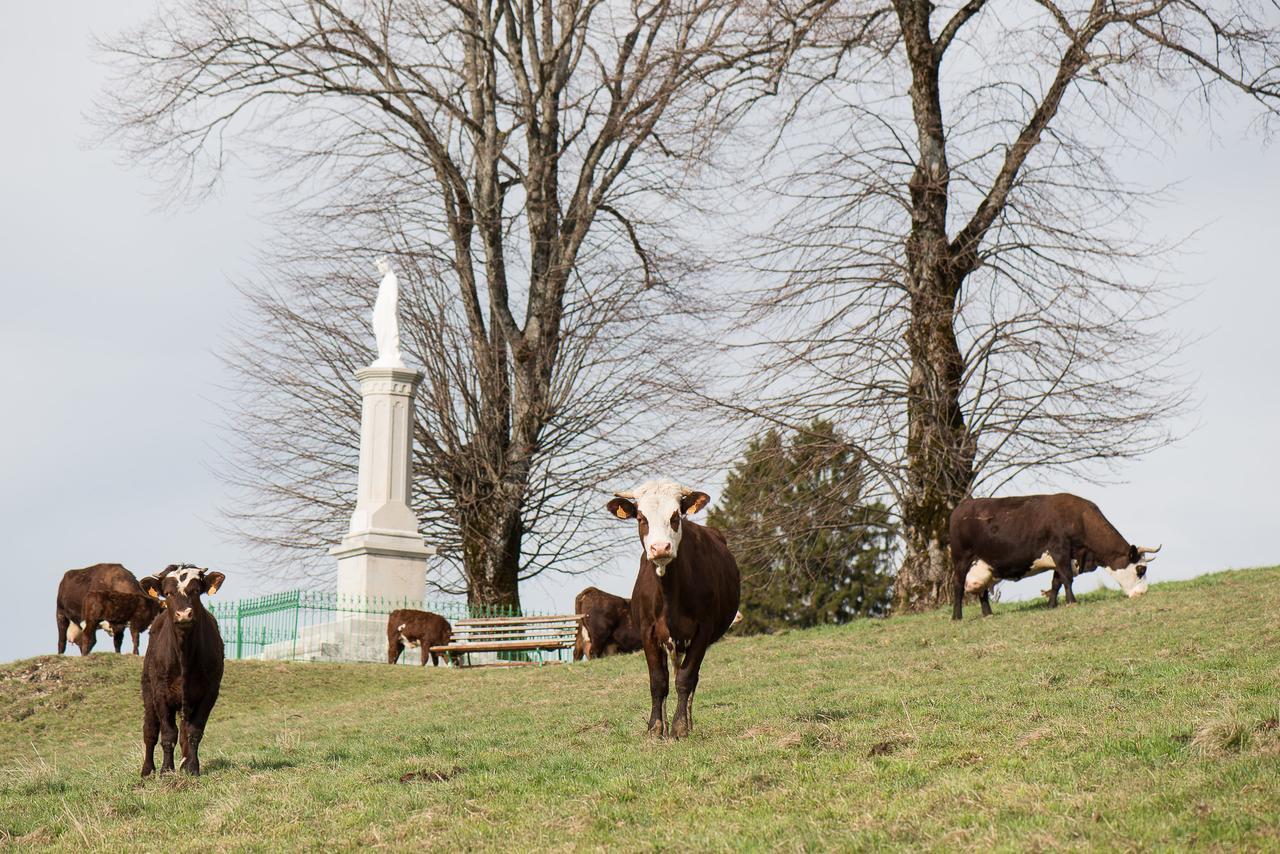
(309, 625)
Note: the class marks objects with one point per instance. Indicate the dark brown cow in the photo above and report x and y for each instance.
(994, 539)
(686, 593)
(607, 627)
(75, 585)
(182, 670)
(116, 610)
(416, 628)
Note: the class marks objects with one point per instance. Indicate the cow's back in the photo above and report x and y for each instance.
(77, 583)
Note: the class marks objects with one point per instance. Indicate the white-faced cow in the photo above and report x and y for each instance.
(414, 628)
(182, 670)
(76, 584)
(685, 596)
(998, 539)
(607, 627)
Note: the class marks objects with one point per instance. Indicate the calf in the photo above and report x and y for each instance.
(606, 628)
(114, 611)
(416, 629)
(995, 539)
(75, 586)
(182, 670)
(685, 596)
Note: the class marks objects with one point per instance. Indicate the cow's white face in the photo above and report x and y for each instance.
(1130, 578)
(659, 507)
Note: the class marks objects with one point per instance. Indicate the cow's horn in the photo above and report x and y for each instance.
(629, 495)
(1143, 550)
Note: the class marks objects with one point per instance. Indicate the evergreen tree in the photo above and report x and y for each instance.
(810, 548)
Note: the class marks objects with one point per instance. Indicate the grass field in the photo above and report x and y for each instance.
(1114, 724)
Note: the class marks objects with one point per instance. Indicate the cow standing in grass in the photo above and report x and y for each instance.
(182, 670)
(607, 627)
(995, 539)
(76, 584)
(410, 627)
(116, 611)
(685, 596)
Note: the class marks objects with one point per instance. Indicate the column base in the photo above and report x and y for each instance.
(383, 565)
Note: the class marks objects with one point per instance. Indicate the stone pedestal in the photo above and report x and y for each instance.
(383, 556)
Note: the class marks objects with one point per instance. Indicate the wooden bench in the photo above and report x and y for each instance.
(534, 635)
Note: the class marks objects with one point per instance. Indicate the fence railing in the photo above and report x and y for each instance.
(312, 625)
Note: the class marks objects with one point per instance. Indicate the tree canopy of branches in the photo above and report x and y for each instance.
(962, 283)
(810, 548)
(517, 158)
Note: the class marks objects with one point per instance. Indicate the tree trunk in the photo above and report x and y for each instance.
(939, 455)
(491, 554)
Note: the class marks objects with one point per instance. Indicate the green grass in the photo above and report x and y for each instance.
(1115, 724)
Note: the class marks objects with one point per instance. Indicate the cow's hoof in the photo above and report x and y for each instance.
(657, 729)
(681, 728)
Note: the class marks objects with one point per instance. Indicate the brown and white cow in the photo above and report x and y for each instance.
(607, 627)
(75, 586)
(685, 596)
(409, 627)
(182, 670)
(115, 611)
(997, 539)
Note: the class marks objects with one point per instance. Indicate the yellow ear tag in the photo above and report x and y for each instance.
(622, 514)
(153, 593)
(214, 589)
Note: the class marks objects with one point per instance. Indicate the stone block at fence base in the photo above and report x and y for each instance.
(354, 637)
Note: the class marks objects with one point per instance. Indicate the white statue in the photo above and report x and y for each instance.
(386, 328)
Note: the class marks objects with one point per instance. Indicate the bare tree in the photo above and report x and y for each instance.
(964, 287)
(520, 157)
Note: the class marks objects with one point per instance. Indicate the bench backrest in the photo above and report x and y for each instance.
(561, 629)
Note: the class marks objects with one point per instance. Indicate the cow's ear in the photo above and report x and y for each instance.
(693, 502)
(211, 581)
(150, 586)
(622, 508)
(1134, 557)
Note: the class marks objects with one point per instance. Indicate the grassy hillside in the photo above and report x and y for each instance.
(1113, 724)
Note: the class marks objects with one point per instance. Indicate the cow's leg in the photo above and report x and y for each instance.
(960, 564)
(985, 598)
(118, 637)
(63, 624)
(1054, 586)
(168, 737)
(1061, 572)
(656, 657)
(394, 648)
(435, 657)
(150, 733)
(1071, 577)
(192, 733)
(686, 685)
(136, 634)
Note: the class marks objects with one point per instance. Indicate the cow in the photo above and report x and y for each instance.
(996, 539)
(685, 595)
(407, 627)
(114, 611)
(182, 670)
(606, 628)
(75, 585)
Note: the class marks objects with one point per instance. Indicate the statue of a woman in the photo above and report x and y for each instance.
(386, 328)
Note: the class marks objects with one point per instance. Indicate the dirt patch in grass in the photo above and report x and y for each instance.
(435, 776)
(884, 748)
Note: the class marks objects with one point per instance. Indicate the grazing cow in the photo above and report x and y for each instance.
(72, 590)
(114, 611)
(182, 670)
(686, 593)
(606, 628)
(407, 627)
(995, 539)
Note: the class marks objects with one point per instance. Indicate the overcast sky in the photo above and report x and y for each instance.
(114, 311)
